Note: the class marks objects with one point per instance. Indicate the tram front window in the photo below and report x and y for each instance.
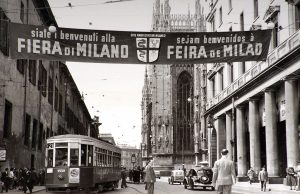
(74, 157)
(50, 158)
(61, 157)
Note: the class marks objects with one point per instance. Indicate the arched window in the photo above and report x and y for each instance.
(184, 113)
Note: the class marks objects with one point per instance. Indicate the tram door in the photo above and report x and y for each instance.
(86, 155)
(86, 172)
(90, 155)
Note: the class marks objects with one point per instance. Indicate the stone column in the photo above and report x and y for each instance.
(229, 134)
(241, 141)
(255, 153)
(221, 135)
(271, 133)
(292, 120)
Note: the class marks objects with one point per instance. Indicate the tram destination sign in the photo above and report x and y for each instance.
(67, 44)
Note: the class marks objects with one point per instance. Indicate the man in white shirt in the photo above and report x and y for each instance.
(224, 174)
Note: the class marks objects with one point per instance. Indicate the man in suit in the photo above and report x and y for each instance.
(224, 174)
(123, 177)
(263, 178)
(150, 178)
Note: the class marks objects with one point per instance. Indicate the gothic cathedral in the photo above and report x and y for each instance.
(168, 131)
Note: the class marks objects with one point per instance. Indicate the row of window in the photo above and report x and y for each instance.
(104, 158)
(32, 128)
(37, 132)
(71, 118)
(42, 81)
(274, 43)
(212, 21)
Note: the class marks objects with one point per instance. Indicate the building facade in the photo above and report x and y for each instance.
(107, 137)
(252, 108)
(127, 159)
(38, 98)
(170, 136)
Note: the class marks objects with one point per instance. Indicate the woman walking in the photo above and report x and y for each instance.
(290, 178)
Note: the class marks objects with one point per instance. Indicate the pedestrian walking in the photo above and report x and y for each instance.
(1, 183)
(224, 174)
(11, 178)
(5, 179)
(251, 175)
(291, 178)
(263, 178)
(123, 178)
(142, 174)
(29, 180)
(42, 177)
(150, 178)
(130, 174)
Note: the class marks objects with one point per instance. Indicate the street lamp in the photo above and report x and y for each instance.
(52, 28)
(133, 160)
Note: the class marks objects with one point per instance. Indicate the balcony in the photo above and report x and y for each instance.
(275, 55)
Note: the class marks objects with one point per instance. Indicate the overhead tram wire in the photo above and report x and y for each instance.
(60, 7)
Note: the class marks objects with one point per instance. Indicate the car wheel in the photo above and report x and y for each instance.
(212, 188)
(184, 184)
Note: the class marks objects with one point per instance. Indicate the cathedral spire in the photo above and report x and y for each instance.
(157, 7)
(167, 8)
(197, 8)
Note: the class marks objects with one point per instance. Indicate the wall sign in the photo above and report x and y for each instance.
(2, 155)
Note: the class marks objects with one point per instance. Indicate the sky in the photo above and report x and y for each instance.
(112, 91)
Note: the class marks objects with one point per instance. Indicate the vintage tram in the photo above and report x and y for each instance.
(76, 162)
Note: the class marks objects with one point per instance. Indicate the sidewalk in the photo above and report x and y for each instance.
(35, 189)
(245, 187)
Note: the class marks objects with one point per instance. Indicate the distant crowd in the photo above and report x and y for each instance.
(21, 179)
(136, 174)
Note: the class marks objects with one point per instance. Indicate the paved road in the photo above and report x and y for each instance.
(161, 187)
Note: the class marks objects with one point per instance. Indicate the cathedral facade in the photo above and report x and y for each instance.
(170, 104)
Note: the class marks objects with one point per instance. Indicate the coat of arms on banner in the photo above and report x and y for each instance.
(147, 49)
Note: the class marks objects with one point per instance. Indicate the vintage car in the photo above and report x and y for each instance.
(177, 176)
(200, 176)
(157, 173)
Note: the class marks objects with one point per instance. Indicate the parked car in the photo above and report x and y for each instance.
(200, 176)
(177, 176)
(157, 174)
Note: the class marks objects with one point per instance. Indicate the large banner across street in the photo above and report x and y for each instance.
(67, 44)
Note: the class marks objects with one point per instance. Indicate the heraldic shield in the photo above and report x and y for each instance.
(147, 49)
